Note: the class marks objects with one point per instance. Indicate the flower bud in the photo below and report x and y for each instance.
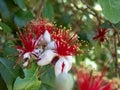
(64, 81)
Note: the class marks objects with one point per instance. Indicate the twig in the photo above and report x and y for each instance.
(92, 9)
(115, 54)
(41, 8)
(115, 46)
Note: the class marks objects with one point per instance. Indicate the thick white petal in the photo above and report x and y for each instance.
(47, 36)
(26, 55)
(51, 45)
(59, 66)
(70, 60)
(46, 57)
(25, 63)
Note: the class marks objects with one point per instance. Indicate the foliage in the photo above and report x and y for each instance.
(81, 15)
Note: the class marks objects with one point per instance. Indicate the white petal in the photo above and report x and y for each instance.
(51, 45)
(70, 60)
(26, 55)
(46, 57)
(47, 36)
(25, 63)
(37, 52)
(59, 68)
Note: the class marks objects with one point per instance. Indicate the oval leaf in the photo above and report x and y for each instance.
(21, 17)
(20, 3)
(30, 82)
(48, 11)
(111, 10)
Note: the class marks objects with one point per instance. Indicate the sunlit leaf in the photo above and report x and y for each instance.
(111, 10)
(46, 87)
(30, 82)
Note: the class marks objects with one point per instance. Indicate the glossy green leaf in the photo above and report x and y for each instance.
(5, 27)
(48, 76)
(7, 10)
(30, 82)
(48, 11)
(46, 87)
(111, 10)
(8, 73)
(21, 17)
(20, 3)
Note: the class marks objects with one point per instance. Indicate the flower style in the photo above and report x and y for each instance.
(29, 43)
(63, 46)
(101, 35)
(86, 81)
(42, 29)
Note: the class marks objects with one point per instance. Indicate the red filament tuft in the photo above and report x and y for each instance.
(86, 81)
(41, 26)
(28, 41)
(66, 42)
(101, 35)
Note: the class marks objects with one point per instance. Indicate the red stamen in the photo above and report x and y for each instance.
(101, 35)
(66, 44)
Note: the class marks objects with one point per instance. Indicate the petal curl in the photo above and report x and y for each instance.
(62, 65)
(70, 60)
(26, 55)
(46, 57)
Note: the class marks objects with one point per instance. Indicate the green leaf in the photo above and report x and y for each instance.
(48, 76)
(48, 11)
(2, 84)
(5, 27)
(21, 17)
(20, 3)
(111, 10)
(8, 73)
(30, 82)
(7, 10)
(46, 87)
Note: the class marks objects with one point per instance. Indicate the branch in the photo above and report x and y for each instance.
(115, 54)
(41, 8)
(94, 11)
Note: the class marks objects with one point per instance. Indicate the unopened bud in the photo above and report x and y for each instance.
(64, 81)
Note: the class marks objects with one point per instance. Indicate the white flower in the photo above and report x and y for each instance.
(70, 61)
(26, 55)
(46, 57)
(25, 63)
(63, 65)
(37, 52)
(51, 45)
(64, 81)
(46, 37)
